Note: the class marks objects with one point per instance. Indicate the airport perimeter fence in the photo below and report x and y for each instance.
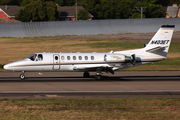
(93, 27)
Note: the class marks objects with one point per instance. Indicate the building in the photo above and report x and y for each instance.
(68, 13)
(8, 11)
(173, 11)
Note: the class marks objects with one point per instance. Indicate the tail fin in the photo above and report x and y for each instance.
(160, 43)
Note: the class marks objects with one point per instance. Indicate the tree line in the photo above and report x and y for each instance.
(121, 9)
(72, 2)
(25, 2)
(40, 10)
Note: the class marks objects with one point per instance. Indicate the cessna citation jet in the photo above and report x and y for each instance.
(155, 50)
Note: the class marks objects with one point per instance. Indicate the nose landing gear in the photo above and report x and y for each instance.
(22, 76)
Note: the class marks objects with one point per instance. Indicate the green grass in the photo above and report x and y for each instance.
(70, 45)
(5, 37)
(174, 47)
(122, 45)
(1, 66)
(107, 108)
(169, 61)
(94, 40)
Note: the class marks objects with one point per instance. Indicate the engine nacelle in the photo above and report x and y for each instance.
(114, 58)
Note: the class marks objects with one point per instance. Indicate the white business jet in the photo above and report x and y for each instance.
(155, 50)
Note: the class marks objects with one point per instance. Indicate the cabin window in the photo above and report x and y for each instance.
(92, 57)
(68, 57)
(32, 57)
(80, 57)
(74, 57)
(62, 57)
(56, 57)
(40, 57)
(86, 57)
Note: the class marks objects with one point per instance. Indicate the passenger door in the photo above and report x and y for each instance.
(56, 62)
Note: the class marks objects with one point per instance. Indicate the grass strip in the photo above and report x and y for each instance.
(122, 45)
(106, 108)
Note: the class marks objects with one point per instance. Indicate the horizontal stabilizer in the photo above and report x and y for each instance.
(156, 49)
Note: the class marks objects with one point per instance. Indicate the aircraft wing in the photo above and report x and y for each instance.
(94, 68)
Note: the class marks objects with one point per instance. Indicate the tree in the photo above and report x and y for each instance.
(145, 1)
(68, 2)
(154, 11)
(10, 2)
(65, 2)
(59, 2)
(38, 11)
(92, 6)
(108, 9)
(25, 2)
(164, 2)
(51, 11)
(124, 9)
(151, 10)
(83, 15)
(137, 15)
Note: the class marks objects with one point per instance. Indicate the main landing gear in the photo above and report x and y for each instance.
(22, 76)
(86, 75)
(97, 76)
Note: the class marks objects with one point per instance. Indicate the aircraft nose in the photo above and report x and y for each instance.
(6, 67)
(13, 66)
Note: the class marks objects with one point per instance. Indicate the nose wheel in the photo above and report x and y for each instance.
(22, 76)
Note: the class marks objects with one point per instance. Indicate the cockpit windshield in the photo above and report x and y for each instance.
(36, 57)
(32, 57)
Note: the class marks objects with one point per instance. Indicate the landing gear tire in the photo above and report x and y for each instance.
(97, 77)
(22, 76)
(86, 75)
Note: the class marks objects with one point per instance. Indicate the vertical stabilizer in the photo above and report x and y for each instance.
(160, 43)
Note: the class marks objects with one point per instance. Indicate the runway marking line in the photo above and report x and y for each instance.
(52, 96)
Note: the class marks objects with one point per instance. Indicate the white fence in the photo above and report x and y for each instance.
(94, 27)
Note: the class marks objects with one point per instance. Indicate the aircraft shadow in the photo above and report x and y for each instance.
(91, 79)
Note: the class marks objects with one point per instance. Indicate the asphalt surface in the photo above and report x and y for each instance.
(73, 85)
